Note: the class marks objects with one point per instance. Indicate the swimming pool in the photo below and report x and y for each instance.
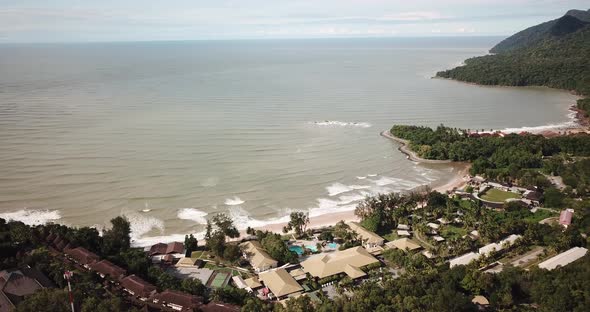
(333, 245)
(312, 248)
(297, 249)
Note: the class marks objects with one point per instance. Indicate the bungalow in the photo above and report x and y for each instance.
(82, 256)
(186, 262)
(259, 259)
(253, 283)
(433, 226)
(405, 244)
(16, 285)
(563, 258)
(438, 238)
(159, 250)
(403, 227)
(178, 300)
(280, 282)
(219, 307)
(565, 217)
(508, 241)
(403, 233)
(464, 259)
(106, 268)
(369, 238)
(347, 261)
(138, 287)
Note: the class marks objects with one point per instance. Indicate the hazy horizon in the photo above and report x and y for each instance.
(32, 21)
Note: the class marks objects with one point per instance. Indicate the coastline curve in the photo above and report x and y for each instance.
(411, 155)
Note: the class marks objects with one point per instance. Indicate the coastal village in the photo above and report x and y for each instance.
(327, 265)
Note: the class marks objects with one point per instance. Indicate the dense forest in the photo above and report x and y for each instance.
(559, 59)
(503, 158)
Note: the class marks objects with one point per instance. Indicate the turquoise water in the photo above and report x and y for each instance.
(333, 245)
(312, 248)
(297, 249)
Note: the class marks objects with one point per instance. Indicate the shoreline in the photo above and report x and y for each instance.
(406, 150)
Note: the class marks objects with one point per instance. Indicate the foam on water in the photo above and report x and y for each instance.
(371, 175)
(339, 188)
(361, 178)
(142, 224)
(192, 214)
(234, 201)
(31, 216)
(242, 218)
(152, 240)
(336, 123)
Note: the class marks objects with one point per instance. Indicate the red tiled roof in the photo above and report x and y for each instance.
(158, 249)
(108, 268)
(187, 301)
(82, 255)
(175, 247)
(138, 286)
(565, 217)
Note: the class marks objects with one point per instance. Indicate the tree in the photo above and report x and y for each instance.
(190, 244)
(55, 300)
(226, 225)
(553, 198)
(117, 239)
(298, 222)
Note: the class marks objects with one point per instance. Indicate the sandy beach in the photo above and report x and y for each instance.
(458, 180)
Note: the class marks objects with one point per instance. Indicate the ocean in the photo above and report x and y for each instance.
(168, 133)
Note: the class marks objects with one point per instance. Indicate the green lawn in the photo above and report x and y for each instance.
(496, 195)
(540, 215)
(450, 231)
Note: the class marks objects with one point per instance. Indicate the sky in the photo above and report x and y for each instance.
(151, 20)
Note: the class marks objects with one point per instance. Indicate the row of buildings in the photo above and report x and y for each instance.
(133, 284)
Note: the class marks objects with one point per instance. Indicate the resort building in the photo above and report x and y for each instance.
(403, 227)
(105, 268)
(173, 250)
(280, 282)
(405, 244)
(138, 287)
(565, 217)
(369, 238)
(186, 262)
(433, 226)
(253, 283)
(508, 241)
(563, 258)
(82, 256)
(464, 259)
(403, 233)
(259, 259)
(16, 285)
(349, 261)
(178, 301)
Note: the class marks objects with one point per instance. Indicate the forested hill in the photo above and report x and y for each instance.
(559, 61)
(539, 32)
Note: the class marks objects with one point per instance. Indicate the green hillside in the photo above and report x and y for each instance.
(536, 33)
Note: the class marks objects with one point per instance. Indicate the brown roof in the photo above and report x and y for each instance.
(158, 249)
(175, 247)
(138, 286)
(187, 301)
(219, 307)
(170, 248)
(108, 268)
(82, 255)
(50, 237)
(16, 284)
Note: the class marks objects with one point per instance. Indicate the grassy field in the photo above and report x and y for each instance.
(496, 195)
(540, 215)
(450, 231)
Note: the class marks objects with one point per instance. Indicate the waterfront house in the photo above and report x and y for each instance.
(259, 259)
(369, 238)
(349, 261)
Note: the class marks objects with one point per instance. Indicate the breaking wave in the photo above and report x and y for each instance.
(336, 123)
(192, 214)
(31, 216)
(234, 201)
